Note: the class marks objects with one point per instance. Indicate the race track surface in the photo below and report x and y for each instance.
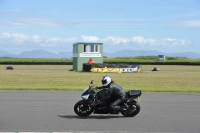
(52, 111)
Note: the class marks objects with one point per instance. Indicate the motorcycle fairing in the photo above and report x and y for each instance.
(85, 94)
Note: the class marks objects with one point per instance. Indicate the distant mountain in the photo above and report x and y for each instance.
(6, 54)
(134, 53)
(45, 54)
(37, 54)
(40, 53)
(150, 53)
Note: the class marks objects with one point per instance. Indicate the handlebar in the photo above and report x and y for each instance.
(92, 86)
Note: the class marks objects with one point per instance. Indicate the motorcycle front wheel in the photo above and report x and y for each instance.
(133, 110)
(82, 109)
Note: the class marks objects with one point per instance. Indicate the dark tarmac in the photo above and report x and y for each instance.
(52, 111)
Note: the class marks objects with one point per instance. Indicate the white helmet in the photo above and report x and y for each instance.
(106, 80)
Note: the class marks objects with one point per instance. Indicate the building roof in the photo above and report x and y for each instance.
(88, 43)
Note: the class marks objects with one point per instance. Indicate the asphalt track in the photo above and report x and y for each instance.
(52, 111)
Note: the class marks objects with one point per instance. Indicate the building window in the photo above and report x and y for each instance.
(74, 48)
(96, 48)
(91, 48)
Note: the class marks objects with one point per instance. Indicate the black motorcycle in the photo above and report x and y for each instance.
(91, 95)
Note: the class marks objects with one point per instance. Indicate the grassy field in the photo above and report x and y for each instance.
(58, 77)
(116, 59)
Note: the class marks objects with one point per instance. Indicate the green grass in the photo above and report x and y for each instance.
(117, 59)
(58, 77)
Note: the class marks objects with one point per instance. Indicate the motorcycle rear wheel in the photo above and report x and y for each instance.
(134, 109)
(82, 109)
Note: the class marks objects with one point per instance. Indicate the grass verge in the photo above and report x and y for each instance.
(58, 77)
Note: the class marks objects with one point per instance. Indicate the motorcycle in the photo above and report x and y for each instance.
(83, 108)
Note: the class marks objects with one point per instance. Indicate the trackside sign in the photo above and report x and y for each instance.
(119, 70)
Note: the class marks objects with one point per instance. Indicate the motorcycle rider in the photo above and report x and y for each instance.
(114, 90)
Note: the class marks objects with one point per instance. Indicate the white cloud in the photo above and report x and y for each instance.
(89, 38)
(174, 42)
(59, 41)
(37, 21)
(19, 38)
(37, 39)
(116, 40)
(31, 42)
(5, 35)
(189, 14)
(13, 39)
(191, 23)
(138, 40)
(188, 23)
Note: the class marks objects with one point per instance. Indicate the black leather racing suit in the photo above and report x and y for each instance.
(116, 91)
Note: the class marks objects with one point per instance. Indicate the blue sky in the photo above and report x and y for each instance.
(54, 25)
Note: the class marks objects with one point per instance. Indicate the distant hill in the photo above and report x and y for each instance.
(150, 53)
(133, 53)
(37, 54)
(6, 54)
(40, 53)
